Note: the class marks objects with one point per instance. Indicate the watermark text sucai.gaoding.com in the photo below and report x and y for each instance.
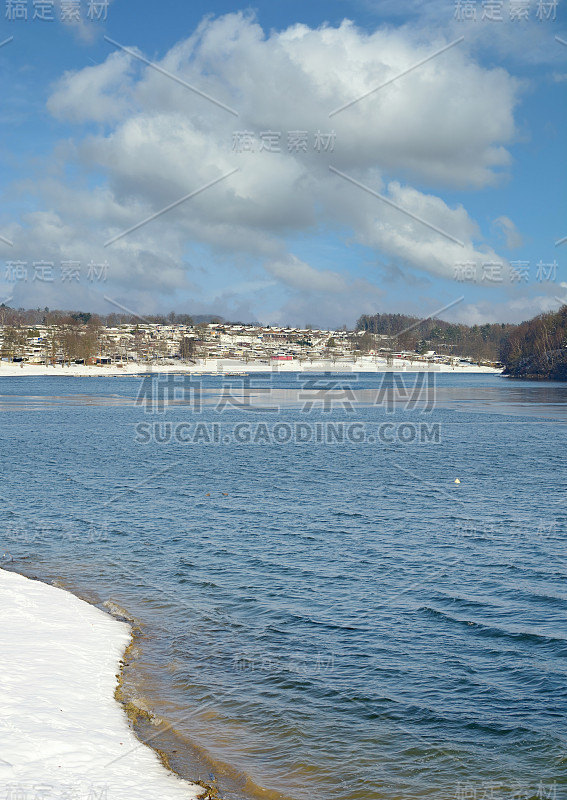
(286, 433)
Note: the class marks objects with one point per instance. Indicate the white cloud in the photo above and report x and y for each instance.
(293, 272)
(512, 236)
(447, 124)
(100, 93)
(515, 310)
(404, 238)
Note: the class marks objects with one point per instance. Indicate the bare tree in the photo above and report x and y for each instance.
(13, 343)
(187, 348)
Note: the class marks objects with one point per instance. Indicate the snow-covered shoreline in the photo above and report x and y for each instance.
(231, 366)
(63, 732)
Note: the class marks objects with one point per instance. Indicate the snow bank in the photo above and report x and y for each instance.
(63, 734)
(228, 366)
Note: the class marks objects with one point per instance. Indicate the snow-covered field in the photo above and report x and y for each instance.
(63, 734)
(227, 366)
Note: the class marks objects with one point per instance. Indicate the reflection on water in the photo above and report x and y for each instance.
(509, 397)
(271, 392)
(333, 622)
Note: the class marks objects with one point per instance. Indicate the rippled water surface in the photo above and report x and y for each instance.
(325, 620)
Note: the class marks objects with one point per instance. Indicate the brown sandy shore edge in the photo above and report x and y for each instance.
(178, 755)
(45, 622)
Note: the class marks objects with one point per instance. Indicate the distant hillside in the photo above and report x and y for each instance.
(481, 342)
(537, 349)
(46, 316)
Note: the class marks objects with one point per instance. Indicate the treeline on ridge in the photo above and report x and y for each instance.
(480, 342)
(537, 349)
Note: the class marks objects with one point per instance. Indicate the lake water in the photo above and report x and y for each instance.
(323, 612)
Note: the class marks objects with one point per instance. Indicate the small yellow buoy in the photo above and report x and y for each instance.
(208, 494)
(457, 480)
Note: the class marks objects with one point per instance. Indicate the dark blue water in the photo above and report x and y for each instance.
(326, 619)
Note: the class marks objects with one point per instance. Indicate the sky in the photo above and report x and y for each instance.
(289, 163)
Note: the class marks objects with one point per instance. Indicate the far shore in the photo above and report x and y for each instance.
(227, 366)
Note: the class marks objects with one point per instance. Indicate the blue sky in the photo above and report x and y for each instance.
(448, 182)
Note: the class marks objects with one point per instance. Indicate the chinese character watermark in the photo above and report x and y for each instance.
(45, 10)
(491, 272)
(498, 11)
(269, 141)
(44, 271)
